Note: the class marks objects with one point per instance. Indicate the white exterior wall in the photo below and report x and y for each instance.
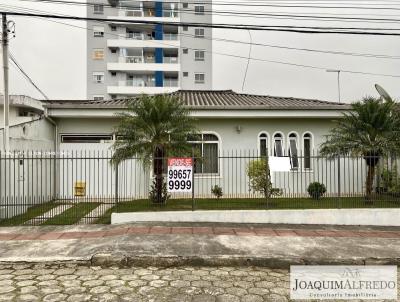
(236, 150)
(27, 175)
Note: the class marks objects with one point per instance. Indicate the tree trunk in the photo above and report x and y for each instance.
(370, 182)
(158, 167)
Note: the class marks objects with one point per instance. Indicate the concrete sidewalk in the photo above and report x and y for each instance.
(275, 246)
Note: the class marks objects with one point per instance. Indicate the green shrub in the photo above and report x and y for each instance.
(390, 181)
(316, 190)
(260, 178)
(164, 193)
(217, 191)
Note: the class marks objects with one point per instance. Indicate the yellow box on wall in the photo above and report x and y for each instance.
(80, 188)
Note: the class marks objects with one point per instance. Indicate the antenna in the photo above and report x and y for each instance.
(383, 93)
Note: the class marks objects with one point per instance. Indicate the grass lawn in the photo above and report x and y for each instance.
(73, 214)
(144, 205)
(30, 213)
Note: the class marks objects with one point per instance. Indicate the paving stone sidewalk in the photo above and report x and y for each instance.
(73, 283)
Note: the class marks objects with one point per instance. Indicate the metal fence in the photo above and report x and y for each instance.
(85, 187)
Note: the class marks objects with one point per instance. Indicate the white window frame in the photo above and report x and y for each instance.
(202, 142)
(200, 55)
(282, 139)
(196, 81)
(199, 9)
(311, 140)
(199, 32)
(97, 10)
(98, 97)
(266, 141)
(98, 50)
(107, 138)
(96, 75)
(98, 31)
(290, 151)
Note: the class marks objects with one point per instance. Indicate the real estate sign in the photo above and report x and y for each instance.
(180, 175)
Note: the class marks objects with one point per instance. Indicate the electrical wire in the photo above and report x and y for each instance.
(367, 55)
(256, 59)
(303, 29)
(13, 60)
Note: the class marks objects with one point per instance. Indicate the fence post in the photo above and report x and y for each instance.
(193, 205)
(116, 183)
(339, 184)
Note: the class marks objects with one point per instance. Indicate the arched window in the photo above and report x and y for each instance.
(293, 151)
(307, 146)
(278, 145)
(206, 152)
(263, 144)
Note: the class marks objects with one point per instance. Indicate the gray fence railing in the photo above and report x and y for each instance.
(85, 187)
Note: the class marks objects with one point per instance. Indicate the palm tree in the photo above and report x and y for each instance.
(152, 128)
(371, 129)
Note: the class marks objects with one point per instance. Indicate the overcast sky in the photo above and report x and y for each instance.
(54, 55)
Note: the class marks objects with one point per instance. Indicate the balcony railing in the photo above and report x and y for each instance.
(170, 14)
(148, 83)
(137, 83)
(132, 59)
(170, 37)
(171, 83)
(170, 60)
(139, 36)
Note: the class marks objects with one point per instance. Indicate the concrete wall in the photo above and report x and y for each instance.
(377, 217)
(236, 150)
(27, 174)
(100, 43)
(188, 63)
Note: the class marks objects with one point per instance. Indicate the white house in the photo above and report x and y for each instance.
(233, 130)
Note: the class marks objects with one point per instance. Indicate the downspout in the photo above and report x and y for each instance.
(55, 180)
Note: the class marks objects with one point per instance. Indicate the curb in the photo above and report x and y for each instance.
(119, 260)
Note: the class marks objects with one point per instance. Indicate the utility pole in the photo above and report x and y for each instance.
(338, 80)
(6, 108)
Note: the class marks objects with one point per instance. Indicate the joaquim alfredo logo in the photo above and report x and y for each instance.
(343, 282)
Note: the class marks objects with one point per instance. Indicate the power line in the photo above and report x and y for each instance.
(245, 4)
(244, 14)
(302, 29)
(12, 58)
(255, 59)
(367, 55)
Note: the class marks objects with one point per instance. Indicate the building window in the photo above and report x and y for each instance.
(113, 50)
(206, 148)
(199, 78)
(263, 144)
(293, 151)
(185, 5)
(278, 145)
(199, 55)
(199, 9)
(86, 138)
(185, 28)
(307, 143)
(113, 28)
(98, 77)
(98, 97)
(98, 31)
(185, 74)
(98, 54)
(113, 73)
(98, 9)
(185, 51)
(199, 32)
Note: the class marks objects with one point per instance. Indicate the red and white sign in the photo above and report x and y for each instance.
(180, 175)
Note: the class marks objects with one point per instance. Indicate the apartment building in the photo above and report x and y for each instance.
(125, 58)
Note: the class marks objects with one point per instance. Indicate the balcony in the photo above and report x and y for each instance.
(139, 86)
(135, 43)
(143, 63)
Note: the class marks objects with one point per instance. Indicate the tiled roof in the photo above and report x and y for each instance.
(216, 99)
